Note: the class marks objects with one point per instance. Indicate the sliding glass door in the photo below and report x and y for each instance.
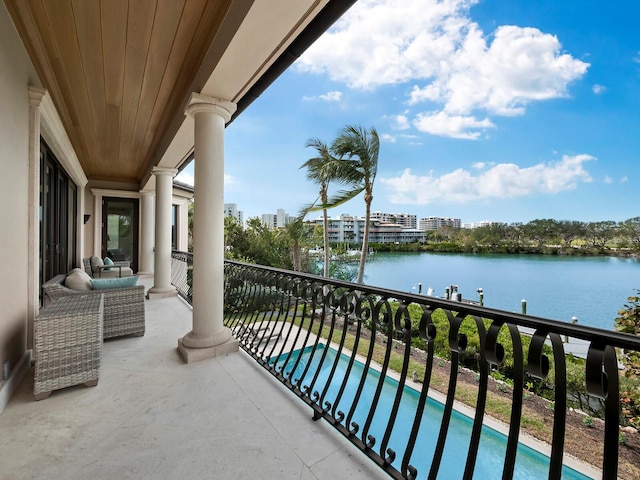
(120, 229)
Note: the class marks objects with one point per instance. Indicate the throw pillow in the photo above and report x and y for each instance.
(96, 263)
(78, 280)
(107, 283)
(107, 261)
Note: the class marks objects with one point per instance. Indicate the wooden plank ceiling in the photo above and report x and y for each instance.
(118, 71)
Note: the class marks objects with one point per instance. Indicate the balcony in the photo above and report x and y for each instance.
(153, 416)
(244, 415)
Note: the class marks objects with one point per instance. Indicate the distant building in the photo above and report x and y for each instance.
(350, 229)
(405, 219)
(484, 223)
(278, 220)
(282, 218)
(434, 223)
(270, 220)
(231, 210)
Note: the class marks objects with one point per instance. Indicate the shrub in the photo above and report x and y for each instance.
(628, 321)
(622, 438)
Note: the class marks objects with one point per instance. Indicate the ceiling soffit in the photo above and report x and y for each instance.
(118, 71)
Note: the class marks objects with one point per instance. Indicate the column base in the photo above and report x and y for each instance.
(161, 292)
(191, 355)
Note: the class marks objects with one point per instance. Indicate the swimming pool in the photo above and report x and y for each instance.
(530, 464)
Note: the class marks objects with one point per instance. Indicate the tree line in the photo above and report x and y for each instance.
(546, 236)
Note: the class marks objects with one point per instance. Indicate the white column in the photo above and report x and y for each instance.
(162, 256)
(209, 337)
(147, 233)
(33, 307)
(182, 225)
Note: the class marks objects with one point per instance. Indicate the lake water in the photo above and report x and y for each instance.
(558, 287)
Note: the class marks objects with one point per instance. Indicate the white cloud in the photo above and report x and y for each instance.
(452, 65)
(333, 96)
(624, 179)
(505, 180)
(385, 137)
(608, 180)
(479, 165)
(401, 122)
(598, 89)
(455, 126)
(186, 176)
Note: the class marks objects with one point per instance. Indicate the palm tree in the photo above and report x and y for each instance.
(319, 173)
(296, 232)
(357, 150)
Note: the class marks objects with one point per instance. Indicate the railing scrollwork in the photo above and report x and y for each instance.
(332, 343)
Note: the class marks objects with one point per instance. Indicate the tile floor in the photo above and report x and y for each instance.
(154, 417)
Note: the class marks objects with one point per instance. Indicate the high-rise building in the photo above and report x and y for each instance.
(278, 220)
(231, 210)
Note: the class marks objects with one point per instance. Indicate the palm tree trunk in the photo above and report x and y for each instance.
(325, 228)
(296, 254)
(365, 240)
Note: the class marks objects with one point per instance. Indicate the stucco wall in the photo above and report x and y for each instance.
(16, 73)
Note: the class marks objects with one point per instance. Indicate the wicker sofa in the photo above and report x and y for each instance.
(123, 307)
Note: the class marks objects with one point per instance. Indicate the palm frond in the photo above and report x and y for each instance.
(306, 209)
(344, 196)
(361, 145)
(338, 199)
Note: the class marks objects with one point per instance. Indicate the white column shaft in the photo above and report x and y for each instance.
(208, 236)
(209, 335)
(162, 254)
(147, 234)
(35, 97)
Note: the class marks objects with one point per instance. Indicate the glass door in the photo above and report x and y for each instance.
(58, 206)
(120, 230)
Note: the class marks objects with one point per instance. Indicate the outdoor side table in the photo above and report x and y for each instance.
(68, 344)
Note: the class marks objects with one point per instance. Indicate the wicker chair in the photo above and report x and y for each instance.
(118, 269)
(123, 307)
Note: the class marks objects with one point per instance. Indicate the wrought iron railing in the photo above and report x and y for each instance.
(286, 321)
(182, 273)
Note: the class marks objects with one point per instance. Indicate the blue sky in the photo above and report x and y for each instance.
(486, 110)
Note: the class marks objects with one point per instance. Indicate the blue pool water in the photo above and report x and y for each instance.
(530, 464)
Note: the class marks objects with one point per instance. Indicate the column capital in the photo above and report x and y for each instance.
(35, 96)
(202, 103)
(164, 171)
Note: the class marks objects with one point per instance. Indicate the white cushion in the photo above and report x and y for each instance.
(96, 262)
(78, 280)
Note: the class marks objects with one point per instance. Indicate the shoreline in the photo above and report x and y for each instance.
(550, 250)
